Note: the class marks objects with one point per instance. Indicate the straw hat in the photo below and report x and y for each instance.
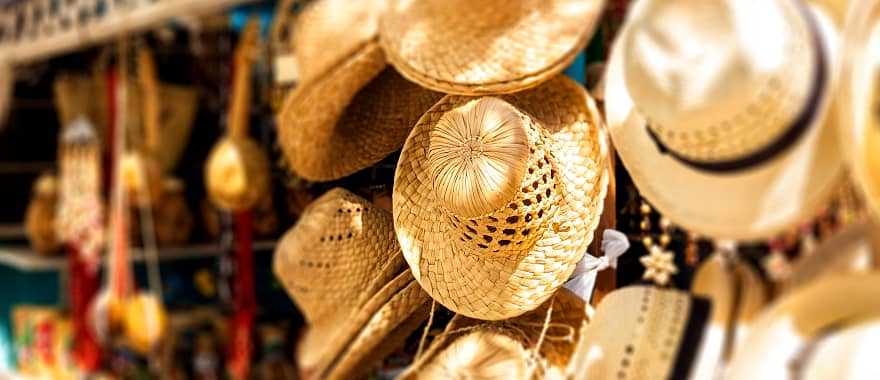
(343, 268)
(783, 337)
(854, 248)
(496, 198)
(470, 47)
(350, 111)
(474, 349)
(737, 294)
(732, 142)
(861, 99)
(642, 332)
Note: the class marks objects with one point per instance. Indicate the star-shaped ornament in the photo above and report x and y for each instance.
(659, 265)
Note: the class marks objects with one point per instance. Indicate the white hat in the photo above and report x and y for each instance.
(718, 110)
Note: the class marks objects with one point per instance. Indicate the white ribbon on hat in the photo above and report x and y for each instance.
(583, 280)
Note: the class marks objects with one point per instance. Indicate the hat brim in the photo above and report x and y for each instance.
(781, 333)
(504, 57)
(351, 343)
(350, 118)
(492, 287)
(745, 205)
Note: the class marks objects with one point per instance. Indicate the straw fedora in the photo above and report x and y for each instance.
(861, 99)
(737, 294)
(485, 47)
(474, 349)
(343, 268)
(350, 111)
(734, 142)
(496, 198)
(642, 332)
(783, 338)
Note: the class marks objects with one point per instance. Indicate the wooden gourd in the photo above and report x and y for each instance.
(237, 171)
(40, 218)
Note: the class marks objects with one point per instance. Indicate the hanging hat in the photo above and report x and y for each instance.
(737, 294)
(6, 82)
(721, 124)
(861, 99)
(854, 248)
(496, 198)
(642, 332)
(342, 267)
(350, 111)
(801, 334)
(477, 47)
(475, 349)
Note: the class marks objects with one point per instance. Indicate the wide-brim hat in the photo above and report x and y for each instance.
(780, 343)
(642, 332)
(485, 47)
(744, 197)
(350, 111)
(854, 248)
(342, 266)
(474, 349)
(495, 199)
(860, 99)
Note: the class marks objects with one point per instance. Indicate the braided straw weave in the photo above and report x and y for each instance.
(474, 349)
(342, 266)
(348, 104)
(471, 47)
(638, 330)
(495, 199)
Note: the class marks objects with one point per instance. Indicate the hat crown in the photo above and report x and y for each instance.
(718, 80)
(477, 156)
(333, 252)
(495, 175)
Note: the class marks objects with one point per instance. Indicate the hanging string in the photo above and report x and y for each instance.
(427, 329)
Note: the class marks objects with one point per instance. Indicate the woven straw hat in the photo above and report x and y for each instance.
(485, 47)
(861, 99)
(642, 332)
(496, 198)
(722, 125)
(349, 105)
(342, 266)
(782, 339)
(474, 349)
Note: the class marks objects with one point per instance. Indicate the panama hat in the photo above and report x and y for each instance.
(724, 126)
(485, 47)
(737, 294)
(861, 99)
(350, 111)
(642, 332)
(495, 199)
(342, 266)
(475, 349)
(785, 333)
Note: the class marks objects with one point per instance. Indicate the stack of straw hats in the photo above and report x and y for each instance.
(343, 268)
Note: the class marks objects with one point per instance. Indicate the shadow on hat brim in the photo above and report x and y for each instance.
(350, 118)
(782, 332)
(744, 205)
